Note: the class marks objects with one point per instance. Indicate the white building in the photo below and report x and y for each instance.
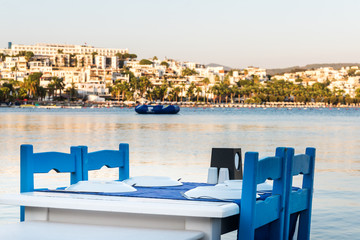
(53, 49)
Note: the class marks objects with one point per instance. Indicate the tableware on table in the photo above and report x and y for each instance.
(212, 175)
(219, 191)
(100, 186)
(223, 175)
(237, 184)
(152, 181)
(234, 184)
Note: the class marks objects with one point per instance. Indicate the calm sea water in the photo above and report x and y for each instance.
(180, 146)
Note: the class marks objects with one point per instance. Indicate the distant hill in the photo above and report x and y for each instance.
(336, 66)
(218, 65)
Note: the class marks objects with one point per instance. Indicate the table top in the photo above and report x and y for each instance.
(122, 204)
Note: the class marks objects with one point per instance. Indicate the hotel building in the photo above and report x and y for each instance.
(54, 49)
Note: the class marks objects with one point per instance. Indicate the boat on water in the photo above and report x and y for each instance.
(157, 109)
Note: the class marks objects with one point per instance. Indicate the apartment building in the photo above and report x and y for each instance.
(14, 63)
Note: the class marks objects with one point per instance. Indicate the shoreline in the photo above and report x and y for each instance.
(57, 105)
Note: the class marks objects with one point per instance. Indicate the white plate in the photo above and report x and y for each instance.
(220, 191)
(152, 181)
(234, 184)
(101, 186)
(237, 184)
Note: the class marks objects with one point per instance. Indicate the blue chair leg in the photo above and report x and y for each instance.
(22, 213)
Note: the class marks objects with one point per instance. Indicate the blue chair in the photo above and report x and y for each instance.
(43, 162)
(255, 213)
(299, 201)
(109, 158)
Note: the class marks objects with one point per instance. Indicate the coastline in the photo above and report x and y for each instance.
(116, 104)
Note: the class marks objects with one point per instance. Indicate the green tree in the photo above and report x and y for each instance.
(215, 90)
(2, 56)
(51, 89)
(188, 72)
(198, 91)
(144, 85)
(132, 56)
(32, 83)
(73, 94)
(145, 62)
(93, 54)
(41, 92)
(29, 55)
(183, 87)
(5, 91)
(177, 91)
(163, 63)
(58, 84)
(206, 82)
(190, 91)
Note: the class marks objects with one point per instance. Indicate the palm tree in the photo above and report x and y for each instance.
(116, 91)
(51, 89)
(32, 83)
(164, 89)
(206, 82)
(215, 91)
(183, 87)
(58, 83)
(5, 91)
(177, 90)
(233, 91)
(198, 90)
(190, 91)
(41, 91)
(72, 91)
(145, 84)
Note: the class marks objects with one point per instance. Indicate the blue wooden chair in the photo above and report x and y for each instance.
(43, 162)
(109, 158)
(299, 201)
(257, 213)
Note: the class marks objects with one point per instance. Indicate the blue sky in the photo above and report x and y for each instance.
(236, 33)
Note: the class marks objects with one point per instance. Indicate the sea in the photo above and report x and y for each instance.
(179, 146)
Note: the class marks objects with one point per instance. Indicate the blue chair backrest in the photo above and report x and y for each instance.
(43, 162)
(109, 158)
(300, 201)
(256, 213)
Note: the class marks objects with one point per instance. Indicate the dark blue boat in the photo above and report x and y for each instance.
(157, 109)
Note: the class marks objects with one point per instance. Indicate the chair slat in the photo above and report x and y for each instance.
(269, 168)
(60, 162)
(109, 158)
(299, 200)
(301, 164)
(268, 210)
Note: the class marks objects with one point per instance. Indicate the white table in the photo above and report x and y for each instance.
(207, 217)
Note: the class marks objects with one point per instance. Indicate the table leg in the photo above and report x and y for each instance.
(211, 227)
(36, 214)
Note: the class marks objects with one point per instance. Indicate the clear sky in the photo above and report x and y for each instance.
(235, 33)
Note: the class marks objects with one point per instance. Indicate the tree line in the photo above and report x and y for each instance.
(245, 91)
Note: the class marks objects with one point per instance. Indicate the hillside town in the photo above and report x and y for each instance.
(47, 72)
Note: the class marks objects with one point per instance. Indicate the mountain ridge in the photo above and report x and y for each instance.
(277, 71)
